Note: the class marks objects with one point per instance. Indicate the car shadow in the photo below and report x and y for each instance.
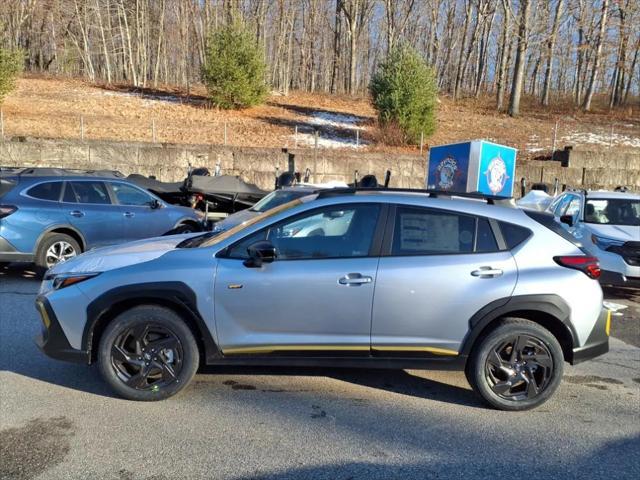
(21, 271)
(401, 382)
(621, 293)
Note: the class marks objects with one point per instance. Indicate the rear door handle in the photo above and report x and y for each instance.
(487, 272)
(76, 213)
(128, 214)
(354, 279)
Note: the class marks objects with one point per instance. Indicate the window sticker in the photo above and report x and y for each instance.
(420, 232)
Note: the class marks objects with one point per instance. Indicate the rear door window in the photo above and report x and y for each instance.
(46, 191)
(421, 231)
(89, 192)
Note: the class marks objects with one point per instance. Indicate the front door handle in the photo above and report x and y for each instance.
(76, 213)
(487, 272)
(128, 214)
(354, 279)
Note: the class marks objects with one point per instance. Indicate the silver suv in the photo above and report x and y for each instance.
(375, 279)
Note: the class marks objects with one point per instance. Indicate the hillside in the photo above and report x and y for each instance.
(55, 108)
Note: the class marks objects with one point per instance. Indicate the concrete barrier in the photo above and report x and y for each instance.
(169, 162)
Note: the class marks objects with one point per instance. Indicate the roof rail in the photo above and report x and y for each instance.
(56, 172)
(490, 199)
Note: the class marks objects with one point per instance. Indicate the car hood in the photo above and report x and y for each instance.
(110, 258)
(626, 233)
(235, 219)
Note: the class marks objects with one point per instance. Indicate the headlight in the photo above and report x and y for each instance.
(604, 243)
(67, 279)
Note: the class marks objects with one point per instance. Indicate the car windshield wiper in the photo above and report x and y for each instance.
(194, 242)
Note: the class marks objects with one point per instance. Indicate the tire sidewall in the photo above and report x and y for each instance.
(48, 240)
(476, 372)
(156, 315)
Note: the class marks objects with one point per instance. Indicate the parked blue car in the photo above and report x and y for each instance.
(48, 216)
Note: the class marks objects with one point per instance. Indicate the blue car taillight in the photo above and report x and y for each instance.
(6, 210)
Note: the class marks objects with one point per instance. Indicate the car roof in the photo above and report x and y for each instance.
(46, 172)
(605, 194)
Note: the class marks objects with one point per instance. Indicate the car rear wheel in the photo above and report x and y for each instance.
(517, 366)
(148, 353)
(55, 248)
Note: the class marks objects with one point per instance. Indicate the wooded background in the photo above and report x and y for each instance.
(551, 49)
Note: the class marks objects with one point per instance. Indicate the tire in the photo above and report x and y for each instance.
(187, 228)
(148, 353)
(519, 382)
(56, 242)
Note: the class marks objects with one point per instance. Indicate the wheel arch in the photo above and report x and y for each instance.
(175, 296)
(549, 311)
(65, 229)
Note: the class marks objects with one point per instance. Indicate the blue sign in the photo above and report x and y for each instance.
(448, 167)
(475, 166)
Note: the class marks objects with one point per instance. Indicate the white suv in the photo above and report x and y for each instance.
(608, 225)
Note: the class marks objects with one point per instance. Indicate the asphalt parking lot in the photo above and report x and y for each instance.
(58, 420)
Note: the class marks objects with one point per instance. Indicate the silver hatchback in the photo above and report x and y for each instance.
(358, 278)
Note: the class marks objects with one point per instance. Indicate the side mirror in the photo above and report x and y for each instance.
(567, 220)
(154, 204)
(260, 252)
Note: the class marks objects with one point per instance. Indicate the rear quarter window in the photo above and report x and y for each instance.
(513, 235)
(548, 221)
(46, 191)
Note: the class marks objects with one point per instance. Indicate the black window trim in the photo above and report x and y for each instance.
(25, 191)
(376, 244)
(387, 245)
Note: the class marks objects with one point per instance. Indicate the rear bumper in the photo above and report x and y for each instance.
(598, 342)
(52, 340)
(608, 277)
(8, 253)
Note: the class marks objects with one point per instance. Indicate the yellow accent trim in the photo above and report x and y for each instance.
(328, 348)
(607, 326)
(45, 316)
(435, 350)
(281, 348)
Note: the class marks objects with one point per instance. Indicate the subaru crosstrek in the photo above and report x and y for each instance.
(352, 278)
(51, 215)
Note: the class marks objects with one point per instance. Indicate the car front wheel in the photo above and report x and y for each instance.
(148, 353)
(517, 366)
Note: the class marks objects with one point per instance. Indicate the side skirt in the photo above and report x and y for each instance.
(435, 363)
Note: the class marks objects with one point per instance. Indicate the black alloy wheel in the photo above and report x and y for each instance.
(148, 353)
(519, 368)
(517, 365)
(147, 357)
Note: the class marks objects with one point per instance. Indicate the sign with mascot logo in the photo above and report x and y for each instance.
(476, 166)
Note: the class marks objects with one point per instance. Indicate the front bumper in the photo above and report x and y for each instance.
(52, 341)
(8, 253)
(598, 342)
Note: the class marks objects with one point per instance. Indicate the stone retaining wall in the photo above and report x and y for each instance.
(169, 162)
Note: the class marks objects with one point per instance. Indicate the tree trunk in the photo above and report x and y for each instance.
(521, 52)
(550, 46)
(586, 106)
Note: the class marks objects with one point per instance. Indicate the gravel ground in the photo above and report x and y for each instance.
(59, 421)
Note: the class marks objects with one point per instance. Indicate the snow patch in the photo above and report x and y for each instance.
(607, 139)
(335, 130)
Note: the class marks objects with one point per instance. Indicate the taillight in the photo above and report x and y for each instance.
(588, 265)
(6, 210)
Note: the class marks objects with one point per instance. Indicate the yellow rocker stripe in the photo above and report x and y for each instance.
(360, 348)
(283, 348)
(413, 348)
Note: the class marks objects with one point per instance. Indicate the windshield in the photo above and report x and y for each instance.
(277, 198)
(612, 211)
(213, 238)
